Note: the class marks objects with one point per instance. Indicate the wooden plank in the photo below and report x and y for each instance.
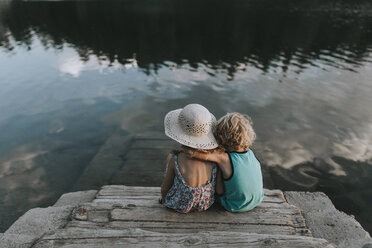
(121, 190)
(260, 215)
(130, 188)
(273, 217)
(140, 204)
(124, 216)
(154, 197)
(80, 237)
(179, 227)
(140, 190)
(85, 224)
(94, 214)
(98, 232)
(273, 192)
(176, 242)
(153, 203)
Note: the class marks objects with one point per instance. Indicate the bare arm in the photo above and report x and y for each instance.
(225, 166)
(169, 177)
(214, 156)
(217, 156)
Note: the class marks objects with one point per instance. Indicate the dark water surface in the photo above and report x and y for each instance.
(73, 72)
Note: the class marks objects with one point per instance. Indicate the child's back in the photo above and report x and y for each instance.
(195, 172)
(193, 185)
(189, 184)
(244, 188)
(241, 171)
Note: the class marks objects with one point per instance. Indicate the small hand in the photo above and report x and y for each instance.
(189, 153)
(161, 201)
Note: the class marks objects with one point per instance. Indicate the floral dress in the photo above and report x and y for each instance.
(184, 198)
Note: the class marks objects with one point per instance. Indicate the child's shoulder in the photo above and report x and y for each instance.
(243, 152)
(249, 154)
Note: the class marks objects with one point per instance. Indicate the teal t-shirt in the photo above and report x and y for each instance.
(244, 189)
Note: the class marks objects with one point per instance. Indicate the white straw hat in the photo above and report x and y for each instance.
(191, 126)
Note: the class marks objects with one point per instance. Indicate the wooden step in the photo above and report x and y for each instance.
(125, 216)
(136, 237)
(118, 206)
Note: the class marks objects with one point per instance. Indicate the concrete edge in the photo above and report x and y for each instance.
(325, 221)
(34, 224)
(76, 198)
(37, 222)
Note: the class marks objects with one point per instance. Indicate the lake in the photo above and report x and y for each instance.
(74, 72)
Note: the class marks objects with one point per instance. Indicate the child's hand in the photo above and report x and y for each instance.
(190, 153)
(161, 201)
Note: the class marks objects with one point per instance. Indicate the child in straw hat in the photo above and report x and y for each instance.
(189, 184)
(241, 171)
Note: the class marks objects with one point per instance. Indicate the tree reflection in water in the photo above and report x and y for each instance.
(260, 33)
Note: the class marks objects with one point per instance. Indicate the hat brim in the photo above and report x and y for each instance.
(174, 131)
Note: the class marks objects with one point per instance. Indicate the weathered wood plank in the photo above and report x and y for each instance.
(78, 237)
(172, 227)
(141, 204)
(153, 203)
(120, 190)
(124, 216)
(266, 211)
(146, 190)
(88, 213)
(138, 189)
(176, 242)
(84, 224)
(274, 217)
(272, 192)
(154, 198)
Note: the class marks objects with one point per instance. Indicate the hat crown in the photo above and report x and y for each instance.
(195, 120)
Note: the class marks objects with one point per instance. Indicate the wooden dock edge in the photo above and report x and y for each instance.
(321, 217)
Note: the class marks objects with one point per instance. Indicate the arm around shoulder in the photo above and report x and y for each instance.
(215, 156)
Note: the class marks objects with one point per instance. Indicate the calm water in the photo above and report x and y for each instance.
(71, 73)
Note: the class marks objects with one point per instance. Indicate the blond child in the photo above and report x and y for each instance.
(189, 184)
(241, 171)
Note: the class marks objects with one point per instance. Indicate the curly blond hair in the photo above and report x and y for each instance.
(234, 132)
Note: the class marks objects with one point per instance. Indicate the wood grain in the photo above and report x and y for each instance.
(125, 216)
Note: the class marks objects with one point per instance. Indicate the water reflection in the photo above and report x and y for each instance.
(223, 36)
(74, 71)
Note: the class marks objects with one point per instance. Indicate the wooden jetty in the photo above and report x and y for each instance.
(129, 216)
(124, 216)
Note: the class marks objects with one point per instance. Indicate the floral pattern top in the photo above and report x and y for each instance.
(184, 198)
